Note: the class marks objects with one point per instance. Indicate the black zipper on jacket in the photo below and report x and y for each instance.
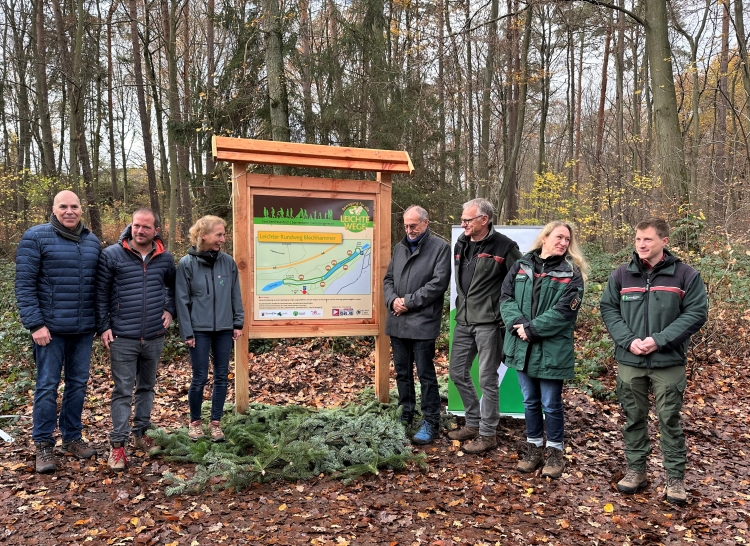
(213, 283)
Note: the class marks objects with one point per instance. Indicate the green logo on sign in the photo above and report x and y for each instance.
(355, 217)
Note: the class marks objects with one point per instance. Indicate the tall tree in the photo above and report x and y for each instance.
(143, 113)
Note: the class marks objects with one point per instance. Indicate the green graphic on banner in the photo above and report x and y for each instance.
(511, 399)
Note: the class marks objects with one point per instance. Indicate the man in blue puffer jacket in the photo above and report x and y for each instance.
(55, 271)
(134, 308)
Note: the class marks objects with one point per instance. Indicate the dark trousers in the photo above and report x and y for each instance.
(220, 345)
(407, 352)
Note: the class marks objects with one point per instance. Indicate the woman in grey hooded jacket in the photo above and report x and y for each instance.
(211, 317)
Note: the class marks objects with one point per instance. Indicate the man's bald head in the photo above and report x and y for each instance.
(67, 208)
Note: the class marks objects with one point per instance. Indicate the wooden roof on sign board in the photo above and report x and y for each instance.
(270, 152)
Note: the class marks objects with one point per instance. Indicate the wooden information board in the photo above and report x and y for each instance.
(312, 252)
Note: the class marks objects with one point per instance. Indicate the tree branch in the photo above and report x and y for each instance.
(629, 13)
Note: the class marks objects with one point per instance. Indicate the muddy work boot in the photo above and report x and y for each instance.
(45, 460)
(633, 481)
(480, 444)
(675, 490)
(464, 433)
(554, 463)
(530, 457)
(79, 449)
(147, 444)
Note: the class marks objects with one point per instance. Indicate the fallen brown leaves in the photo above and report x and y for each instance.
(461, 499)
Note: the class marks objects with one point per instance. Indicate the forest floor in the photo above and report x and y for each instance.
(461, 499)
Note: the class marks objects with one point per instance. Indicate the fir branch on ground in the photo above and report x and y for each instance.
(292, 443)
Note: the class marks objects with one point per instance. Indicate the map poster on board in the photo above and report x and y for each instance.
(313, 258)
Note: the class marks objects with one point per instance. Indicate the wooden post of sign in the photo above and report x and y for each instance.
(382, 349)
(242, 245)
(245, 186)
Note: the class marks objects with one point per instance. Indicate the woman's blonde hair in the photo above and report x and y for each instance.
(203, 227)
(574, 251)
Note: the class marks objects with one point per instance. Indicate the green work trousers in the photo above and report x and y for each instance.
(668, 386)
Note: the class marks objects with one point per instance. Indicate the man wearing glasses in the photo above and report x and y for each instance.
(414, 286)
(482, 258)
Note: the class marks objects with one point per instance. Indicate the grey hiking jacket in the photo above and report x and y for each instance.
(208, 298)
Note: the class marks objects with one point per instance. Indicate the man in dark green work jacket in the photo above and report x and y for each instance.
(651, 307)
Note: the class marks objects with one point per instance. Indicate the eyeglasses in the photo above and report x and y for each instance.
(411, 227)
(467, 221)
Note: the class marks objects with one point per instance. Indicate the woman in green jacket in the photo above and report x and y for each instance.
(211, 317)
(539, 305)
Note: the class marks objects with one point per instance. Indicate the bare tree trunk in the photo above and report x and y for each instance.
(74, 74)
(458, 102)
(210, 92)
(596, 186)
(143, 113)
(509, 178)
(483, 173)
(469, 102)
(183, 148)
(48, 151)
(670, 155)
(308, 120)
(111, 108)
(739, 27)
(159, 113)
(720, 184)
(169, 14)
(277, 94)
(441, 92)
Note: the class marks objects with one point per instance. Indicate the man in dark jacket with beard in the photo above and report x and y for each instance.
(134, 308)
(414, 287)
(482, 257)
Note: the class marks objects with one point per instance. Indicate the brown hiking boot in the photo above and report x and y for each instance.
(554, 463)
(675, 490)
(464, 433)
(79, 448)
(214, 427)
(530, 458)
(45, 460)
(147, 444)
(195, 430)
(118, 460)
(633, 481)
(480, 444)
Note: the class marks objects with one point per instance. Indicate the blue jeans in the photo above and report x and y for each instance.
(71, 354)
(220, 344)
(134, 364)
(406, 352)
(544, 394)
(486, 340)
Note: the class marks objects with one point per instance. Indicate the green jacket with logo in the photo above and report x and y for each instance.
(556, 286)
(667, 303)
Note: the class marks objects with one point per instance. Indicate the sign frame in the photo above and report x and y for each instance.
(241, 152)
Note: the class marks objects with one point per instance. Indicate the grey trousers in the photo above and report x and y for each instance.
(486, 340)
(134, 365)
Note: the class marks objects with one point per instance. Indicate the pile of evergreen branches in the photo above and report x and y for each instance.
(292, 443)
